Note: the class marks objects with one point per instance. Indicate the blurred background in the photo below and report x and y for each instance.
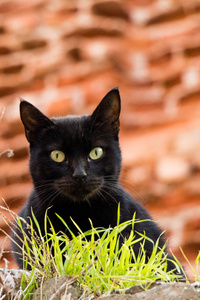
(64, 55)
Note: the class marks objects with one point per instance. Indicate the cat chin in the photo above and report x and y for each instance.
(81, 197)
(79, 193)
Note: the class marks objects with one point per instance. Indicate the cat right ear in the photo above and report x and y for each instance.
(108, 111)
(33, 120)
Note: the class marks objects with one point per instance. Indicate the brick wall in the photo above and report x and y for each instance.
(64, 56)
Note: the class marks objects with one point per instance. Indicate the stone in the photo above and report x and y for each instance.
(166, 291)
(52, 288)
(10, 281)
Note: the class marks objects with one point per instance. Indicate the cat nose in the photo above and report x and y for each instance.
(79, 175)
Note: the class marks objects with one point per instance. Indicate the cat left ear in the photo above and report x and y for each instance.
(33, 120)
(108, 110)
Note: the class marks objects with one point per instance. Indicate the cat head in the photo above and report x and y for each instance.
(74, 156)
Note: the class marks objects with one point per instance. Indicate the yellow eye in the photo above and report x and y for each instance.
(96, 153)
(57, 155)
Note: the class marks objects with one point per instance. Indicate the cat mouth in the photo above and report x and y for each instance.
(78, 191)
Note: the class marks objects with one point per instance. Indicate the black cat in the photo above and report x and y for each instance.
(75, 162)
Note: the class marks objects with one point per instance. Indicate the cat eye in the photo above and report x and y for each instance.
(57, 155)
(96, 153)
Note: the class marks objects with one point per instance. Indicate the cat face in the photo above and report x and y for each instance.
(74, 156)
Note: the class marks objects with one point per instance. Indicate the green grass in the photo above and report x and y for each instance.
(196, 268)
(94, 258)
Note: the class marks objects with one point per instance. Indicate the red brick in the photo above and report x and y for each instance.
(18, 144)
(14, 171)
(65, 56)
(59, 108)
(139, 175)
(13, 194)
(172, 169)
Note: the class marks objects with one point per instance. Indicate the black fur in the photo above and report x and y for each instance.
(79, 187)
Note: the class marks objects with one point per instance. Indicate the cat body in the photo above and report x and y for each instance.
(75, 162)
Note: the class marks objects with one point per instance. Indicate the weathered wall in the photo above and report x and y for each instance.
(64, 56)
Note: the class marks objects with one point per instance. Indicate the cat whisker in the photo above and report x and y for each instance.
(48, 198)
(109, 194)
(131, 189)
(101, 195)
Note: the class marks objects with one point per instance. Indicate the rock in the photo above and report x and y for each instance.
(10, 281)
(166, 291)
(67, 288)
(172, 169)
(59, 287)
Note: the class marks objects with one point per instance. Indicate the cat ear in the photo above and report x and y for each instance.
(108, 110)
(33, 120)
